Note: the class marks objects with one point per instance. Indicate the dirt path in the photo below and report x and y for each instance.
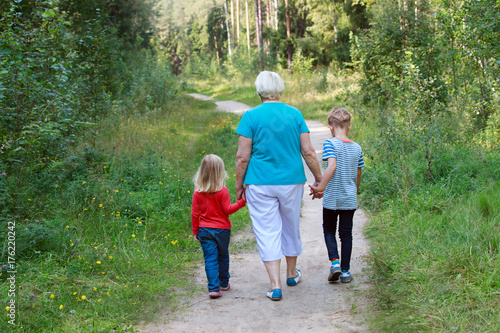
(314, 305)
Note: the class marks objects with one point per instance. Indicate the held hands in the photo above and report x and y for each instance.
(196, 238)
(240, 193)
(315, 191)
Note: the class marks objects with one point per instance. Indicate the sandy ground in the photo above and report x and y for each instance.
(227, 106)
(313, 305)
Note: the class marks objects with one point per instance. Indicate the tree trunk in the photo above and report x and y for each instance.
(258, 23)
(336, 26)
(216, 48)
(232, 21)
(227, 28)
(248, 28)
(268, 18)
(238, 20)
(276, 15)
(400, 17)
(288, 34)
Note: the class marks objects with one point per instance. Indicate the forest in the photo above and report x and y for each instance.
(99, 143)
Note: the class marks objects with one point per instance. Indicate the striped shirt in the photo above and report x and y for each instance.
(341, 191)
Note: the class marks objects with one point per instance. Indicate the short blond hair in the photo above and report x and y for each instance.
(339, 117)
(269, 85)
(211, 174)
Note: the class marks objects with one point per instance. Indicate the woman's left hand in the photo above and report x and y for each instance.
(314, 191)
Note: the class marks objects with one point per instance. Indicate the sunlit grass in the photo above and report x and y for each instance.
(122, 222)
(441, 271)
(435, 241)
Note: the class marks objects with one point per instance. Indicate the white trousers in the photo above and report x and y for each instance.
(275, 213)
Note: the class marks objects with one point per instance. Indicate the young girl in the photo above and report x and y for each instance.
(210, 219)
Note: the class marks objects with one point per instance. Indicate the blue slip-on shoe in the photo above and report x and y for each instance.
(345, 277)
(275, 294)
(293, 281)
(334, 272)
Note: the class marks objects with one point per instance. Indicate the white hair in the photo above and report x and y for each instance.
(269, 85)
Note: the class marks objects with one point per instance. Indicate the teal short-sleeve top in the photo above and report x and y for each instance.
(275, 129)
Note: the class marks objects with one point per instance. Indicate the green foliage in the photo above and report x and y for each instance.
(301, 64)
(439, 272)
(217, 35)
(58, 82)
(331, 25)
(111, 223)
(149, 83)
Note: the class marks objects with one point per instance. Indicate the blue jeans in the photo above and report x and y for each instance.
(215, 245)
(345, 235)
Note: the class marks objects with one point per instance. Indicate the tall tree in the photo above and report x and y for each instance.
(238, 20)
(331, 24)
(276, 15)
(227, 28)
(288, 34)
(232, 22)
(258, 23)
(216, 32)
(248, 27)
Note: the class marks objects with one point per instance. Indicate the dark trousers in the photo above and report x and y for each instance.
(215, 245)
(345, 234)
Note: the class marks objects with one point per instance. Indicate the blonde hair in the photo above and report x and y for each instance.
(269, 85)
(211, 175)
(339, 117)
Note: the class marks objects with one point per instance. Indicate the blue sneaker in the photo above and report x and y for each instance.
(293, 281)
(345, 277)
(275, 294)
(334, 272)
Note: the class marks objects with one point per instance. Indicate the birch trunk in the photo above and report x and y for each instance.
(227, 28)
(258, 23)
(238, 20)
(288, 34)
(232, 21)
(248, 28)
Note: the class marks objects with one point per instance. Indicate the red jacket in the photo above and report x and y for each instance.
(212, 210)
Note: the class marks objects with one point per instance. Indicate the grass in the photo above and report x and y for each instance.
(435, 210)
(105, 233)
(111, 237)
(438, 271)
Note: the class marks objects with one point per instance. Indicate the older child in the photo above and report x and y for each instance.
(210, 212)
(340, 184)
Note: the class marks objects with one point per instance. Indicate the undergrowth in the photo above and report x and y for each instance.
(431, 189)
(104, 235)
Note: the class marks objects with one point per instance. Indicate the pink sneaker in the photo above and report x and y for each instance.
(226, 288)
(214, 294)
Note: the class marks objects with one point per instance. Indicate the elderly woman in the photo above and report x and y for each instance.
(273, 137)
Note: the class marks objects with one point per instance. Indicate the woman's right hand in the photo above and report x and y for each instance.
(240, 192)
